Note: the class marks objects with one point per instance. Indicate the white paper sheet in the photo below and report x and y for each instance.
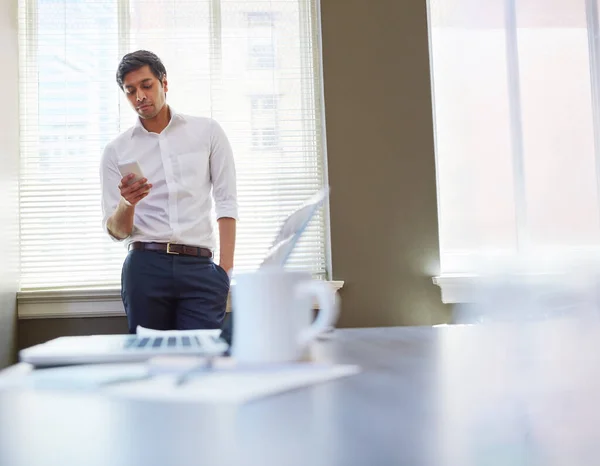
(13, 376)
(78, 377)
(225, 383)
(231, 386)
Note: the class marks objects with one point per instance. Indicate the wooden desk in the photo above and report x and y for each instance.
(498, 395)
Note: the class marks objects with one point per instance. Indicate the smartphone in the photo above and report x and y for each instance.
(126, 168)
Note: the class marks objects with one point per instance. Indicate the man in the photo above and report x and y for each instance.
(169, 280)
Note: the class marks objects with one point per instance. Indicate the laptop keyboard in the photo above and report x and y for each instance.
(184, 342)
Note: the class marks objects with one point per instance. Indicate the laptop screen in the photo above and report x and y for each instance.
(292, 228)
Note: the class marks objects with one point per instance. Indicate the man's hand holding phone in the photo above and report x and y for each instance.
(133, 191)
(134, 186)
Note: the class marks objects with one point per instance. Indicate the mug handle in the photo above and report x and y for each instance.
(328, 309)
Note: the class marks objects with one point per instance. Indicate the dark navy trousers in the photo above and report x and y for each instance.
(173, 292)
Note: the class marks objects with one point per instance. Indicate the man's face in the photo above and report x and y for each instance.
(145, 92)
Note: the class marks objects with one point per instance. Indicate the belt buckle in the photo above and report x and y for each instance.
(169, 250)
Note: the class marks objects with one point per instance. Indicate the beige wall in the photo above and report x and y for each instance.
(36, 331)
(381, 169)
(9, 166)
(381, 161)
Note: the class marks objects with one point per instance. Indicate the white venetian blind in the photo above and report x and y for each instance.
(254, 66)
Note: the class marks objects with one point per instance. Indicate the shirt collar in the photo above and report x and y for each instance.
(175, 117)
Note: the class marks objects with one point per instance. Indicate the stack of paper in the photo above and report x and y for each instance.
(231, 385)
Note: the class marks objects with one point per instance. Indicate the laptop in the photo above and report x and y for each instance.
(148, 344)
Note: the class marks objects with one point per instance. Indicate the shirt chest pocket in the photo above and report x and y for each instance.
(191, 169)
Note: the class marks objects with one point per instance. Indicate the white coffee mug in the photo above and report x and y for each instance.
(273, 313)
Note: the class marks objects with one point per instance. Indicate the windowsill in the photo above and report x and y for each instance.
(105, 302)
(462, 288)
(456, 288)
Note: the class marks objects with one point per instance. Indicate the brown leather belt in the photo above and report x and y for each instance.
(172, 248)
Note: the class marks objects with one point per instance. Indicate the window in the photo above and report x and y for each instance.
(261, 40)
(515, 86)
(264, 104)
(261, 53)
(265, 125)
(260, 19)
(71, 108)
(264, 138)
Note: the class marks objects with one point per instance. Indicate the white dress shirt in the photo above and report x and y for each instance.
(188, 159)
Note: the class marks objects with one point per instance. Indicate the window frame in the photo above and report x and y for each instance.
(459, 275)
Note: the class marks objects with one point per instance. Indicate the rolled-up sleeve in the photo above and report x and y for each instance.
(109, 183)
(222, 173)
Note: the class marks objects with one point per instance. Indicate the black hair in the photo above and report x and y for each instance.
(136, 60)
